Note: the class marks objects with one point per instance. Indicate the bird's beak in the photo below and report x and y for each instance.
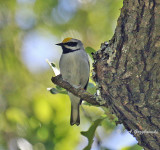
(59, 44)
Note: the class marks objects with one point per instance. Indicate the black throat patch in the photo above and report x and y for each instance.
(66, 50)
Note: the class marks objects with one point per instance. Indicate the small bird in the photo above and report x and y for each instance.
(75, 69)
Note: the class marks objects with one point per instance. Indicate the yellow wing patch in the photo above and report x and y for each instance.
(66, 40)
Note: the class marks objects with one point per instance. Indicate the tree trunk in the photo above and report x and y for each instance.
(128, 71)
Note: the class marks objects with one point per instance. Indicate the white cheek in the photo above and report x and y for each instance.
(76, 47)
(71, 47)
(68, 47)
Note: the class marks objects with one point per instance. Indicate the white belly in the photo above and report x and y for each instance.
(74, 67)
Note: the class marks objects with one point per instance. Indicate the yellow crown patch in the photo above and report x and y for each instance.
(66, 40)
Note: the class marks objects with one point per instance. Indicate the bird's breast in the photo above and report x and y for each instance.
(74, 66)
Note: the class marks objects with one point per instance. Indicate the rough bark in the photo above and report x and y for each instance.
(128, 72)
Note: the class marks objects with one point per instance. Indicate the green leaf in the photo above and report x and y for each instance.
(90, 133)
(91, 85)
(89, 51)
(53, 91)
(86, 103)
(53, 65)
(134, 147)
(91, 88)
(63, 92)
(58, 90)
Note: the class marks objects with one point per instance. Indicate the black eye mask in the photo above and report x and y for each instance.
(73, 44)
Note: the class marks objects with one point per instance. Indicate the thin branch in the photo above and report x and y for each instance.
(58, 80)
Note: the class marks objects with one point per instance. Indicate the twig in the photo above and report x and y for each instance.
(58, 80)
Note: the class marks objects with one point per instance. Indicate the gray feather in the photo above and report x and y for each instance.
(75, 69)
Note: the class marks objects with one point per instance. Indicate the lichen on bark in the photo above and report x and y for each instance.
(128, 70)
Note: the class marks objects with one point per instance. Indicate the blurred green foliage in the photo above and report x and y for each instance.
(27, 110)
(134, 147)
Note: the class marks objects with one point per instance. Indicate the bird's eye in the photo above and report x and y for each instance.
(71, 44)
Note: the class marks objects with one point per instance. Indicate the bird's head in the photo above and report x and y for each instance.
(70, 45)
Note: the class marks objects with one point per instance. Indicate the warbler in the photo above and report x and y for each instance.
(75, 69)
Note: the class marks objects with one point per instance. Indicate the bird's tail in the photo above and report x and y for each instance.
(75, 115)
